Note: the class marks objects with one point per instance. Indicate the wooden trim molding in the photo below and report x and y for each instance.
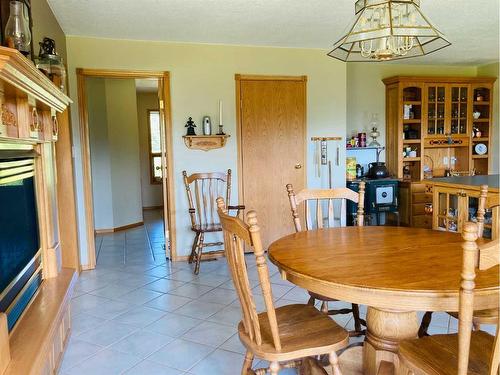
(119, 74)
(119, 229)
(251, 77)
(168, 186)
(87, 174)
(164, 82)
(438, 79)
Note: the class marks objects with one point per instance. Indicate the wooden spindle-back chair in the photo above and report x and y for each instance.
(202, 190)
(468, 352)
(317, 200)
(486, 202)
(281, 335)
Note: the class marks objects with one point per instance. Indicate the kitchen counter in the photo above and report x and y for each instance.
(467, 182)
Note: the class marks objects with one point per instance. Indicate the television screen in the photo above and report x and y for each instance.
(19, 238)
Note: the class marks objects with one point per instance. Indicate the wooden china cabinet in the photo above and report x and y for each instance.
(436, 126)
(35, 144)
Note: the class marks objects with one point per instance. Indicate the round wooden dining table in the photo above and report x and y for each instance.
(395, 271)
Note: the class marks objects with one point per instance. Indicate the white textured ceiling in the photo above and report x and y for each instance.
(471, 25)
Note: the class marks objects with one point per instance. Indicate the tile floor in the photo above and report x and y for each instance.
(137, 314)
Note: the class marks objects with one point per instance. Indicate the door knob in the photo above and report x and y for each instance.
(298, 166)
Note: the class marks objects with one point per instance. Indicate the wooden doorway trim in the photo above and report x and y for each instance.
(164, 80)
(248, 77)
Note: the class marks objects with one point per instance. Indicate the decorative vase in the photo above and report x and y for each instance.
(17, 32)
(207, 125)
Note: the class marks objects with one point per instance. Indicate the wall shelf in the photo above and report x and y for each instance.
(205, 142)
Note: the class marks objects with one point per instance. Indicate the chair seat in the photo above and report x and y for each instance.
(304, 331)
(489, 316)
(207, 228)
(438, 354)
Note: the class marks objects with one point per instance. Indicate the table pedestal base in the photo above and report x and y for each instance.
(385, 329)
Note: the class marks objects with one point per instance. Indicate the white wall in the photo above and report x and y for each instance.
(200, 76)
(114, 148)
(151, 193)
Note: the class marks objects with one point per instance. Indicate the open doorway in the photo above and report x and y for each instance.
(126, 147)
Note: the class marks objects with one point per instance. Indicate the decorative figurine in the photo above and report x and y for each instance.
(190, 125)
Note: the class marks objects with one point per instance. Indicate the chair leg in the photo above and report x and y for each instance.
(424, 326)
(193, 248)
(198, 254)
(357, 320)
(311, 301)
(274, 368)
(334, 362)
(324, 307)
(247, 364)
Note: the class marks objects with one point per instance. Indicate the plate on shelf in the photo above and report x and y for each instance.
(481, 149)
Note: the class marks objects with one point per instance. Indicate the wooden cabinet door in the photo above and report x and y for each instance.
(436, 97)
(272, 149)
(459, 109)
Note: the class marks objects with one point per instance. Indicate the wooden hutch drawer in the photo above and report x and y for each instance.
(422, 221)
(418, 187)
(418, 209)
(421, 198)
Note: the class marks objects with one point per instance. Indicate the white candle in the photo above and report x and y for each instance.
(220, 112)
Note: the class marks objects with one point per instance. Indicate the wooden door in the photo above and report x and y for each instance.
(272, 119)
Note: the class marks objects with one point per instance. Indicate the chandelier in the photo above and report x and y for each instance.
(388, 30)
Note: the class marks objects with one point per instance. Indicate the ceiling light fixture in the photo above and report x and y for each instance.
(388, 30)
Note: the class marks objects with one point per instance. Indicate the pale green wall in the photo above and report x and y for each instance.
(366, 91)
(46, 25)
(492, 70)
(200, 76)
(123, 133)
(100, 159)
(114, 150)
(151, 193)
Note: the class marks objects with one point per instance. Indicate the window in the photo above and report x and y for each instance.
(154, 146)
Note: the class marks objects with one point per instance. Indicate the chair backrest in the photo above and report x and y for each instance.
(486, 256)
(491, 203)
(316, 199)
(236, 234)
(202, 190)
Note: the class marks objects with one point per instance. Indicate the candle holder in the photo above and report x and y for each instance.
(221, 130)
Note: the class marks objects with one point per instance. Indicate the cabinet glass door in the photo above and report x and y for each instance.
(436, 98)
(448, 211)
(459, 109)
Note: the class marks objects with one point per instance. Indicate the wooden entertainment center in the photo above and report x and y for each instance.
(35, 120)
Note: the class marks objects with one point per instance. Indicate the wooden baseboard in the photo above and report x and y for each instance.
(152, 208)
(119, 229)
(86, 267)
